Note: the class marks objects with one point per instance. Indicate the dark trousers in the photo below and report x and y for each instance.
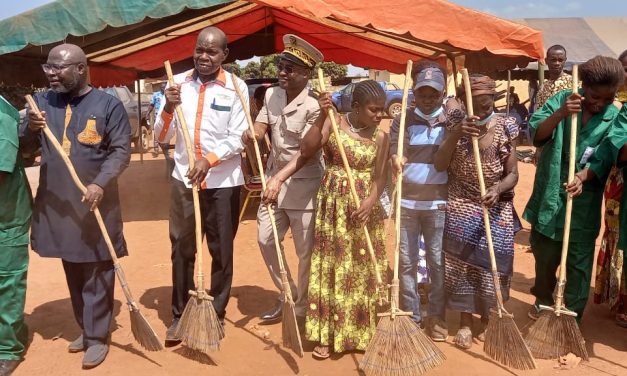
(91, 290)
(547, 253)
(219, 209)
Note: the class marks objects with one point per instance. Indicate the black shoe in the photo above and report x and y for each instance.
(170, 335)
(273, 315)
(8, 366)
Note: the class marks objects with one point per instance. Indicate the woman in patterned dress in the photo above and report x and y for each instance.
(342, 299)
(468, 280)
(610, 286)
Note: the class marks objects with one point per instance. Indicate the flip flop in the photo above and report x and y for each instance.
(318, 354)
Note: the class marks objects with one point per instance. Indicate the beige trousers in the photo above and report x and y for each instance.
(301, 222)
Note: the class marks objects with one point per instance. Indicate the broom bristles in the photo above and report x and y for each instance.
(143, 332)
(505, 344)
(553, 336)
(199, 327)
(400, 348)
(291, 334)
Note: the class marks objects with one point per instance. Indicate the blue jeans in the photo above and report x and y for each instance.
(429, 224)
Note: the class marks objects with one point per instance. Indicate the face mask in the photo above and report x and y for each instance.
(485, 121)
(430, 117)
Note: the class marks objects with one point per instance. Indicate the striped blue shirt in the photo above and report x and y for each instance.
(424, 188)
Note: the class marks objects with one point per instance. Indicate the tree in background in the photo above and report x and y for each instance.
(333, 70)
(233, 68)
(267, 68)
(251, 70)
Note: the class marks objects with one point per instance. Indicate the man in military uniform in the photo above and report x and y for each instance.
(293, 180)
(93, 128)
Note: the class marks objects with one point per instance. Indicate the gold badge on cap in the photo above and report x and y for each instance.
(302, 50)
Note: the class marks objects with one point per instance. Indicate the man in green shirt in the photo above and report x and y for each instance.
(545, 211)
(15, 212)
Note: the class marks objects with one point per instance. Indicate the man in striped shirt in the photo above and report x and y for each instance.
(424, 196)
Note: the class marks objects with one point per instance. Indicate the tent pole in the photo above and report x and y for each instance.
(507, 94)
(455, 81)
(540, 75)
(140, 139)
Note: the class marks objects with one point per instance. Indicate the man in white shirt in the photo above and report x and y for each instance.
(216, 121)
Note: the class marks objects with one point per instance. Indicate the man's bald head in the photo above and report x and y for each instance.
(210, 53)
(68, 53)
(66, 69)
(215, 34)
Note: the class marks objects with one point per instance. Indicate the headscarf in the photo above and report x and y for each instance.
(480, 84)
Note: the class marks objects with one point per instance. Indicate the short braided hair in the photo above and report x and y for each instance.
(602, 71)
(367, 91)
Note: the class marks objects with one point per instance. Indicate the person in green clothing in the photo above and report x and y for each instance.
(15, 213)
(601, 77)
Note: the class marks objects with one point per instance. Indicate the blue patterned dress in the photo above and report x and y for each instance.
(468, 280)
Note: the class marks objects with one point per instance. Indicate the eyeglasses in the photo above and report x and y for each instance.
(55, 68)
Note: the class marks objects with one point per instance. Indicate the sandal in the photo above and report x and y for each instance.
(463, 339)
(621, 320)
(321, 352)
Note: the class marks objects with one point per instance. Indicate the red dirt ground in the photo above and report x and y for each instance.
(249, 349)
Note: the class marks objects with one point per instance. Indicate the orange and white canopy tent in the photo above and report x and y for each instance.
(129, 39)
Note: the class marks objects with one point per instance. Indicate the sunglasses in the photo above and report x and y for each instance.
(55, 68)
(289, 69)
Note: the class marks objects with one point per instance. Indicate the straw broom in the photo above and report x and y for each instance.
(503, 341)
(291, 334)
(380, 288)
(399, 347)
(556, 331)
(141, 329)
(199, 327)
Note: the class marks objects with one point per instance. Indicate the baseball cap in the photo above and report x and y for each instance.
(432, 77)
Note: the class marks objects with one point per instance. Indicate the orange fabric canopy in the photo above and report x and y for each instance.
(375, 34)
(435, 21)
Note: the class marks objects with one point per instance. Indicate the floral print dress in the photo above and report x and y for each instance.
(342, 283)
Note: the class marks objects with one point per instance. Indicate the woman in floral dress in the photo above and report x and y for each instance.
(610, 286)
(468, 279)
(342, 286)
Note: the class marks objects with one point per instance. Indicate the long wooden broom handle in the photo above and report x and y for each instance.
(399, 154)
(559, 301)
(83, 189)
(395, 289)
(351, 180)
(262, 175)
(195, 196)
(486, 213)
